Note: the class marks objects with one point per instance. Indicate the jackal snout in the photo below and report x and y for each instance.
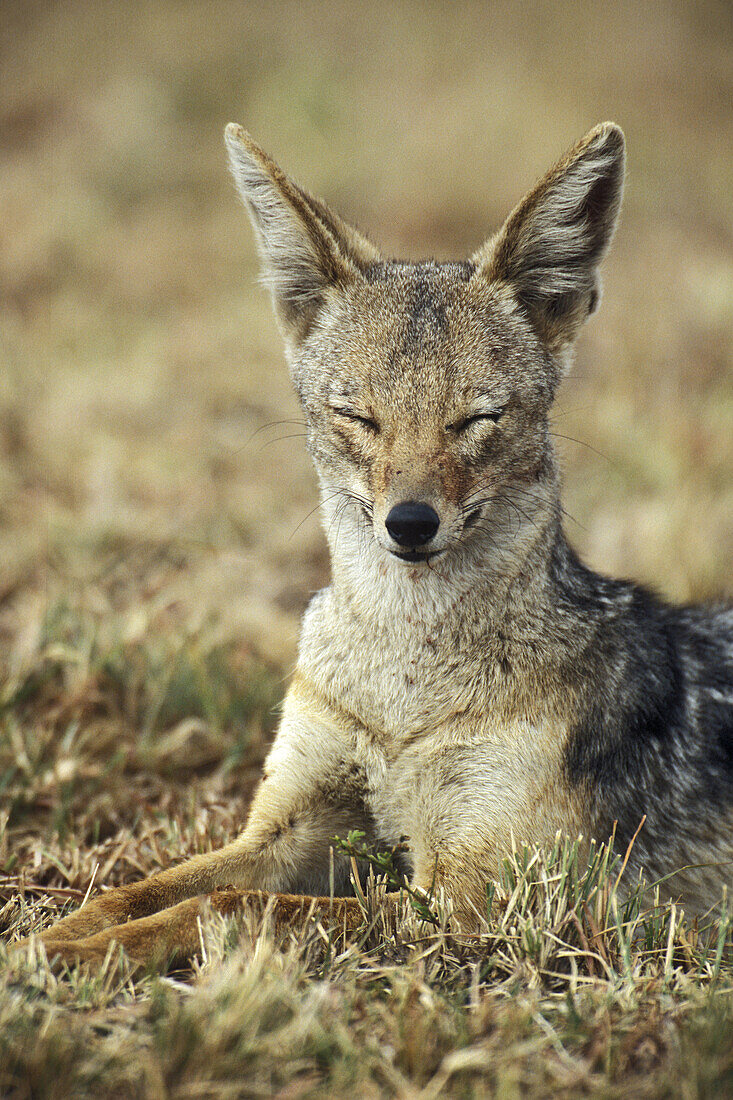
(416, 498)
(412, 524)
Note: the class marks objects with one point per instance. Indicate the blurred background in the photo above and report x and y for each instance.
(146, 476)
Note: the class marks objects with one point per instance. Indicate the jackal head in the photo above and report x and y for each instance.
(427, 386)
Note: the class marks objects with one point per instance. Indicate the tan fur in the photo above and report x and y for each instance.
(432, 700)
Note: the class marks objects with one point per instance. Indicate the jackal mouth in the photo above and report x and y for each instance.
(416, 555)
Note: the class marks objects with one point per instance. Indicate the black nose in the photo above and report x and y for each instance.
(412, 523)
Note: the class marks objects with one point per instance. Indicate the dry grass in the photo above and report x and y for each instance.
(567, 991)
(155, 550)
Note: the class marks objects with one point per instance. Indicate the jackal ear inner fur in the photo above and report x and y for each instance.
(550, 246)
(305, 248)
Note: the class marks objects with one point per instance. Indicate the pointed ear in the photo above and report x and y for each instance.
(305, 248)
(549, 249)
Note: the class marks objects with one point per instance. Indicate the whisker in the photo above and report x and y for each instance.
(474, 500)
(264, 428)
(276, 424)
(281, 438)
(560, 411)
(310, 513)
(582, 443)
(550, 500)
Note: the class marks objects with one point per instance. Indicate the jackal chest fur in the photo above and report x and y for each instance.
(448, 749)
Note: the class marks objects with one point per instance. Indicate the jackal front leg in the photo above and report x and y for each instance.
(310, 794)
(173, 935)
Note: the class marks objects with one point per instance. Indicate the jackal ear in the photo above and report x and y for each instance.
(305, 248)
(550, 246)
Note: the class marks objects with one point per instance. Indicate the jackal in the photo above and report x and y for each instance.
(464, 681)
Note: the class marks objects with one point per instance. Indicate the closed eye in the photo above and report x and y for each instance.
(366, 421)
(461, 425)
